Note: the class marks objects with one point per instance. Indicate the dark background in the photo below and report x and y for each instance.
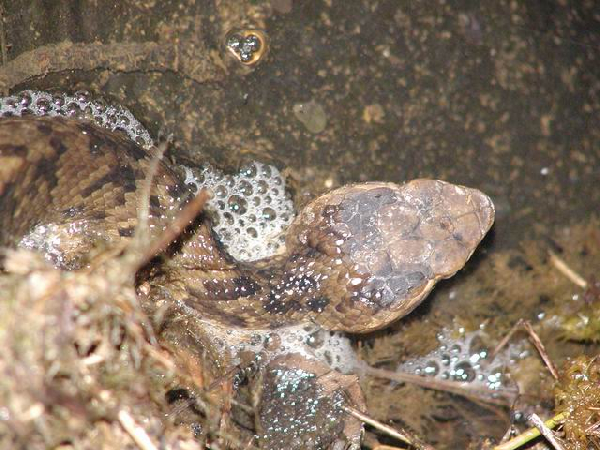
(502, 96)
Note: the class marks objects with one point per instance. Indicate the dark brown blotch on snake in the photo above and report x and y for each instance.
(356, 258)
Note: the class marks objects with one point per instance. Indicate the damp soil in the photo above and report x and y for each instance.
(502, 96)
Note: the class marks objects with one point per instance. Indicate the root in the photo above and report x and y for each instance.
(187, 59)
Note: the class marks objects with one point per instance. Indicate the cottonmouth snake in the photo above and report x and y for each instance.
(356, 258)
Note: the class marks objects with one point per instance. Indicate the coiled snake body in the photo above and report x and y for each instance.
(356, 258)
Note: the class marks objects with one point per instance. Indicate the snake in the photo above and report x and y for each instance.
(355, 260)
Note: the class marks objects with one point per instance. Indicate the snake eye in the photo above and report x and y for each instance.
(247, 46)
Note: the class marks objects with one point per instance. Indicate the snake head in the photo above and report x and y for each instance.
(378, 249)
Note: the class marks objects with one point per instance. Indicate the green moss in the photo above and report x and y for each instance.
(578, 396)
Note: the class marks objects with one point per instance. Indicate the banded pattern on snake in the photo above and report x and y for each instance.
(356, 258)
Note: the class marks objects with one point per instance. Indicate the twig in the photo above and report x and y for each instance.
(142, 230)
(532, 433)
(226, 377)
(158, 355)
(540, 348)
(183, 219)
(504, 342)
(386, 447)
(3, 40)
(250, 444)
(563, 268)
(137, 433)
(593, 429)
(501, 397)
(403, 436)
(545, 431)
(189, 59)
(525, 324)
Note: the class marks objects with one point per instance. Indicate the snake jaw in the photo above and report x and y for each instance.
(393, 242)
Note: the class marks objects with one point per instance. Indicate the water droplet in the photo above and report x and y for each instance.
(246, 188)
(82, 96)
(100, 103)
(262, 187)
(24, 99)
(88, 113)
(476, 347)
(237, 204)
(229, 181)
(111, 119)
(269, 214)
(431, 368)
(463, 372)
(43, 106)
(124, 121)
(265, 171)
(220, 191)
(11, 102)
(72, 109)
(248, 170)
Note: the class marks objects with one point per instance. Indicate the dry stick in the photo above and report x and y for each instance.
(536, 342)
(226, 377)
(501, 397)
(68, 56)
(532, 433)
(562, 267)
(137, 433)
(188, 59)
(403, 436)
(386, 447)
(225, 411)
(3, 40)
(545, 431)
(250, 444)
(142, 230)
(593, 429)
(158, 355)
(541, 349)
(174, 229)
